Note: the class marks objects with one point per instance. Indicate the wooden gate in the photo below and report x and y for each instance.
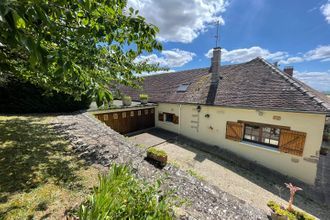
(127, 121)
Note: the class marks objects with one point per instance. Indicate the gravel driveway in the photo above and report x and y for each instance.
(252, 187)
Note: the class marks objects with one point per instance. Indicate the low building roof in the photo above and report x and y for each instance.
(254, 84)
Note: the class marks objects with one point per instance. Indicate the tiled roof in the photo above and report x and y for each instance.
(254, 84)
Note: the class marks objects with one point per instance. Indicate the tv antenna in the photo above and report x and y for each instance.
(217, 36)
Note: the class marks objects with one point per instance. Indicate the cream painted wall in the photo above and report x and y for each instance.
(212, 131)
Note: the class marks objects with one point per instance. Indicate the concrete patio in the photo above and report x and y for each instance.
(253, 184)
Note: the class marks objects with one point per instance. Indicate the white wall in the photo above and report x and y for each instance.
(212, 131)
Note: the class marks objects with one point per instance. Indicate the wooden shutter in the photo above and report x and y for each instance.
(175, 119)
(234, 131)
(292, 142)
(160, 116)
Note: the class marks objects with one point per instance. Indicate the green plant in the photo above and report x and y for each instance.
(195, 174)
(157, 152)
(120, 195)
(292, 215)
(75, 47)
(127, 98)
(143, 97)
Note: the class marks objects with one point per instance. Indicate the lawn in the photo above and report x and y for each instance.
(40, 176)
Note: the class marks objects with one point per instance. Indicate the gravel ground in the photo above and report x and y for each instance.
(98, 144)
(254, 186)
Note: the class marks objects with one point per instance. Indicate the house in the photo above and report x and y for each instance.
(252, 109)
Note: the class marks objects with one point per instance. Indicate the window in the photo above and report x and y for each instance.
(263, 134)
(169, 117)
(183, 87)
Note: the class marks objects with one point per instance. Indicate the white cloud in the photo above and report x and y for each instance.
(317, 80)
(246, 54)
(320, 53)
(179, 20)
(169, 58)
(291, 60)
(325, 9)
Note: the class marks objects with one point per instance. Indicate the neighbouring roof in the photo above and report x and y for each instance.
(254, 84)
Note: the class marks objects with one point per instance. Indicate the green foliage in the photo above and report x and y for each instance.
(143, 97)
(121, 195)
(157, 152)
(127, 98)
(20, 97)
(75, 47)
(195, 174)
(293, 215)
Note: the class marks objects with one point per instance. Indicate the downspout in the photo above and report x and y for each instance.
(179, 128)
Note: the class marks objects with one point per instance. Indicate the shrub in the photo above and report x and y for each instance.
(17, 96)
(143, 96)
(157, 152)
(292, 215)
(126, 97)
(120, 195)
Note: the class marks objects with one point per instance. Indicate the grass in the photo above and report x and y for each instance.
(195, 174)
(40, 176)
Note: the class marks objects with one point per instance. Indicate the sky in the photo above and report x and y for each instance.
(291, 32)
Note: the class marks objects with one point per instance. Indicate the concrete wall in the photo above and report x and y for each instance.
(195, 125)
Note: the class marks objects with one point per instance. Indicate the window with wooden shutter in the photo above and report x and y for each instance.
(160, 116)
(292, 142)
(234, 131)
(175, 119)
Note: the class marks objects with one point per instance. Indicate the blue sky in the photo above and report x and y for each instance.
(294, 33)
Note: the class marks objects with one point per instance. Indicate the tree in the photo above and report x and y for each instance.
(79, 47)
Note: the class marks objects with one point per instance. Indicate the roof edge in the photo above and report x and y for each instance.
(295, 82)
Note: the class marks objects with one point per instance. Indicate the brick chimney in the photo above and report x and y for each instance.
(215, 65)
(288, 70)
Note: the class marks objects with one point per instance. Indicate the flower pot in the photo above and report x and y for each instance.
(144, 101)
(275, 216)
(127, 102)
(161, 159)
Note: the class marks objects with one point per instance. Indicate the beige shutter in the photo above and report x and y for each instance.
(292, 142)
(175, 119)
(160, 116)
(234, 131)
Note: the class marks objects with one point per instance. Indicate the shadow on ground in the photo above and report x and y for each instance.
(310, 200)
(30, 154)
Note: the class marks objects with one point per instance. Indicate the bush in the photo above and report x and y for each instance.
(23, 97)
(144, 97)
(157, 152)
(121, 195)
(293, 215)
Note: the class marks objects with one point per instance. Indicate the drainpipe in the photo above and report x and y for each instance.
(179, 128)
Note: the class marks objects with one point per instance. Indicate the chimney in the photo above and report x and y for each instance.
(215, 65)
(288, 70)
(215, 76)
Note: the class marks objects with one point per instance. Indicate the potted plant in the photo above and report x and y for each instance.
(282, 213)
(127, 100)
(144, 98)
(159, 156)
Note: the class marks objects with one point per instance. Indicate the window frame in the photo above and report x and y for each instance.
(166, 114)
(261, 135)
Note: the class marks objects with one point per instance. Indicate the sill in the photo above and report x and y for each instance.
(261, 146)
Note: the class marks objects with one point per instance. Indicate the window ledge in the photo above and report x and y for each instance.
(260, 146)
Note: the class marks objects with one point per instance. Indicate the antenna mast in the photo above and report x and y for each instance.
(217, 36)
